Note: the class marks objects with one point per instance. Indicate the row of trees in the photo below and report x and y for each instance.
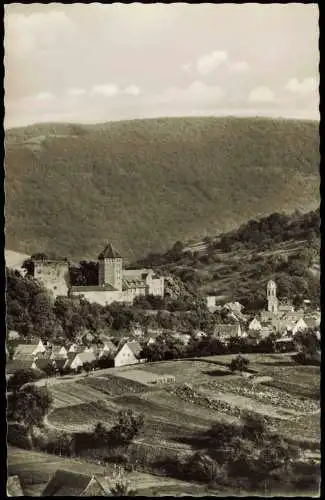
(166, 347)
(30, 311)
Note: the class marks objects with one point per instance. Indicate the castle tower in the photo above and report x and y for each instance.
(110, 268)
(272, 301)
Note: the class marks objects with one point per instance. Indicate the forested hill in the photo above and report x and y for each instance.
(238, 264)
(144, 184)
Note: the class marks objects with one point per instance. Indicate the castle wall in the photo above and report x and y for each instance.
(110, 272)
(156, 287)
(54, 276)
(101, 297)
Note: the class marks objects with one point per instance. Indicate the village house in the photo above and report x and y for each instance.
(299, 326)
(226, 332)
(28, 351)
(58, 352)
(13, 335)
(182, 337)
(65, 483)
(137, 331)
(199, 334)
(129, 354)
(108, 348)
(211, 303)
(254, 325)
(79, 360)
(42, 364)
(265, 332)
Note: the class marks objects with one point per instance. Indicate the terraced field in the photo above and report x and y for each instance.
(73, 393)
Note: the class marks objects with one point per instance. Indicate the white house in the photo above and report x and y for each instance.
(58, 352)
(211, 302)
(129, 354)
(73, 348)
(13, 335)
(137, 331)
(255, 325)
(223, 332)
(80, 359)
(299, 326)
(40, 348)
(108, 348)
(182, 337)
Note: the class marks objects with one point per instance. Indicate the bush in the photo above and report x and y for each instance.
(239, 364)
(17, 436)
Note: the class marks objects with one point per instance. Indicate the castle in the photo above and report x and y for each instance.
(115, 284)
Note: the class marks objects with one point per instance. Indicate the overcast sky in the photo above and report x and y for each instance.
(93, 63)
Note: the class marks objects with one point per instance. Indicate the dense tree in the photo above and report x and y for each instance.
(30, 406)
(20, 378)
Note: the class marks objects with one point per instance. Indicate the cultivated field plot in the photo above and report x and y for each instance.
(73, 393)
(263, 393)
(86, 414)
(141, 376)
(186, 371)
(114, 385)
(35, 469)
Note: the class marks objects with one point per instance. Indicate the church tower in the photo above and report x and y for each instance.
(272, 301)
(110, 268)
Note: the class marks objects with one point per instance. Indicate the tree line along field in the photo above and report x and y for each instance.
(218, 395)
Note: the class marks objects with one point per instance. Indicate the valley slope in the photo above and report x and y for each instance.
(143, 184)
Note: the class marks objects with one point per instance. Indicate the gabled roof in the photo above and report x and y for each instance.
(42, 364)
(24, 351)
(134, 347)
(66, 483)
(14, 488)
(109, 252)
(19, 364)
(86, 357)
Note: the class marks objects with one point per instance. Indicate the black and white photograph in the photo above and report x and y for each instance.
(162, 249)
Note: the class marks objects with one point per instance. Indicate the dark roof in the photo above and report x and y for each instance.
(109, 252)
(14, 488)
(66, 483)
(15, 365)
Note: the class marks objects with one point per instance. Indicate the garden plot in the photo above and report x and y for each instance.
(267, 395)
(140, 376)
(186, 371)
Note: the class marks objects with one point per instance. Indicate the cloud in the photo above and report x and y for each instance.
(108, 90)
(74, 91)
(306, 86)
(261, 94)
(239, 67)
(196, 93)
(207, 63)
(132, 90)
(35, 32)
(186, 67)
(44, 96)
